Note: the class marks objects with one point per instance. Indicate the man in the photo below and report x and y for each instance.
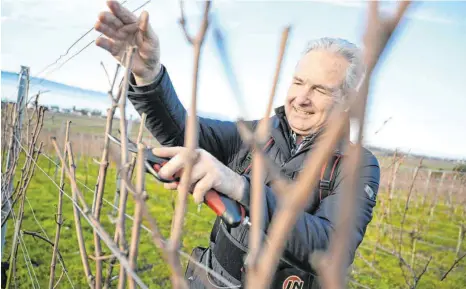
(325, 75)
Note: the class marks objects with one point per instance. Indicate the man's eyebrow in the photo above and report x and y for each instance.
(298, 78)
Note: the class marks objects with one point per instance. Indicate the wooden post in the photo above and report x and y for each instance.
(392, 185)
(460, 240)
(57, 160)
(13, 150)
(450, 193)
(434, 201)
(426, 188)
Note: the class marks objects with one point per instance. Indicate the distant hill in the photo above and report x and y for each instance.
(8, 76)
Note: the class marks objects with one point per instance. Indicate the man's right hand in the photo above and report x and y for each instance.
(122, 30)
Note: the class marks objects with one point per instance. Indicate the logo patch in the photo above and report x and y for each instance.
(370, 193)
(293, 282)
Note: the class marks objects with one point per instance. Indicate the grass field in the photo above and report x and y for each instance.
(439, 239)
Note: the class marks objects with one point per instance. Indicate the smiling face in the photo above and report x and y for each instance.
(317, 83)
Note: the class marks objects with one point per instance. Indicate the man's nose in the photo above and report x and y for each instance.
(303, 97)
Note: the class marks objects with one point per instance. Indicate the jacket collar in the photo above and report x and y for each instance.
(281, 133)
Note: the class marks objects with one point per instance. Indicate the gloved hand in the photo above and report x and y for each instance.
(208, 173)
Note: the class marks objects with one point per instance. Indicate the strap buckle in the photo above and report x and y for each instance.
(325, 185)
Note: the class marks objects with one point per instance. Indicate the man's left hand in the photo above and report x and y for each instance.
(208, 173)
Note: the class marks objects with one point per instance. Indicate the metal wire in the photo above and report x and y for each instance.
(115, 207)
(45, 233)
(25, 253)
(187, 256)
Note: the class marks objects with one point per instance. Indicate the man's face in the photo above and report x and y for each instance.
(317, 80)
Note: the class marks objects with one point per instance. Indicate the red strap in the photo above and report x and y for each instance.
(322, 172)
(335, 163)
(334, 166)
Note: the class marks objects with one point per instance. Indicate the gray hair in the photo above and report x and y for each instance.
(351, 52)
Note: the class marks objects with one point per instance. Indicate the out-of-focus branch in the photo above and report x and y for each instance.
(333, 263)
(258, 174)
(191, 143)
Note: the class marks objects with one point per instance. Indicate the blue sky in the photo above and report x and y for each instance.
(420, 84)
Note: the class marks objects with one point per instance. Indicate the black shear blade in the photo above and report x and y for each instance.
(132, 147)
(150, 161)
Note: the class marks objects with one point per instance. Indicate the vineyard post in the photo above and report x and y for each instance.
(449, 199)
(460, 240)
(434, 201)
(57, 161)
(426, 189)
(23, 90)
(396, 166)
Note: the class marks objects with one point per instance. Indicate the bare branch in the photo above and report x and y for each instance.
(34, 234)
(121, 223)
(416, 279)
(77, 217)
(416, 171)
(101, 180)
(452, 267)
(140, 173)
(86, 213)
(182, 22)
(59, 215)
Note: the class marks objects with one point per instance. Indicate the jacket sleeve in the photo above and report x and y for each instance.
(166, 119)
(312, 232)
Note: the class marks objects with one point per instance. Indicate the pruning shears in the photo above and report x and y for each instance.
(230, 211)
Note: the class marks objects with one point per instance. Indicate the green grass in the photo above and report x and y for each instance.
(42, 194)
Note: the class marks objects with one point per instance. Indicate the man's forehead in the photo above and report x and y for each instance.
(322, 66)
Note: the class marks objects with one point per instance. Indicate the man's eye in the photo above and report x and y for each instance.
(320, 90)
(298, 82)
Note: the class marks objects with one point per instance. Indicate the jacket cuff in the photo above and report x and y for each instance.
(133, 87)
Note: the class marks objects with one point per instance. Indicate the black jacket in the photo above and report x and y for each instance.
(166, 118)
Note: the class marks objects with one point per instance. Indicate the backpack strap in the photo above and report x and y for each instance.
(327, 176)
(245, 167)
(248, 161)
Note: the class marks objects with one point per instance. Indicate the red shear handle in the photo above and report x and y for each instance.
(230, 211)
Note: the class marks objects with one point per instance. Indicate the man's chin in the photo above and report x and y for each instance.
(302, 130)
